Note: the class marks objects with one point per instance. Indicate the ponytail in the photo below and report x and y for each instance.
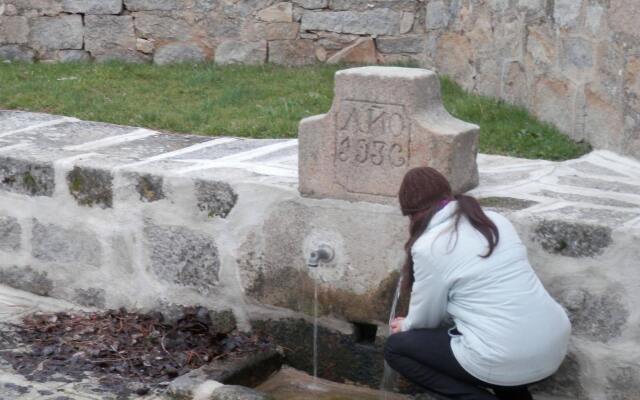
(470, 208)
(419, 222)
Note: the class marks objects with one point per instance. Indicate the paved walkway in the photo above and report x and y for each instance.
(600, 187)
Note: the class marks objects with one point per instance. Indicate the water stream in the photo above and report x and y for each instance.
(390, 377)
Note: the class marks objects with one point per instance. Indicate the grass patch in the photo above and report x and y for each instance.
(255, 101)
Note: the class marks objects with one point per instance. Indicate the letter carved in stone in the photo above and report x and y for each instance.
(372, 143)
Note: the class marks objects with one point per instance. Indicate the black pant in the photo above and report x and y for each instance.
(424, 357)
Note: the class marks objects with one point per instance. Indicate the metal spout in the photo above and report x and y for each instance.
(324, 253)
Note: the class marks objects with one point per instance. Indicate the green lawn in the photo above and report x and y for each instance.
(260, 101)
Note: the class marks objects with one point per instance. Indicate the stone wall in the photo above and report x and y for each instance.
(110, 216)
(575, 63)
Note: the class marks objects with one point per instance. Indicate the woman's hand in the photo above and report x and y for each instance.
(396, 325)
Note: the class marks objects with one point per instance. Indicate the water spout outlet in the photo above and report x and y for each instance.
(324, 253)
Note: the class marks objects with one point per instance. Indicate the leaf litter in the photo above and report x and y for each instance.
(128, 352)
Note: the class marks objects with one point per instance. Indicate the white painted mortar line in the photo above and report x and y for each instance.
(186, 150)
(41, 125)
(112, 140)
(239, 157)
(263, 169)
(283, 159)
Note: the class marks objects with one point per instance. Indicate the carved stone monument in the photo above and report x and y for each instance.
(383, 122)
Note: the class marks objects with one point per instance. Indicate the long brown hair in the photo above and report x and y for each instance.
(422, 193)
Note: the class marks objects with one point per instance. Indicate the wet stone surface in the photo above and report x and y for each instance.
(184, 257)
(572, 239)
(216, 199)
(91, 187)
(26, 177)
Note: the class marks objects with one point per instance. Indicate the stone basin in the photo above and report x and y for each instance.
(291, 384)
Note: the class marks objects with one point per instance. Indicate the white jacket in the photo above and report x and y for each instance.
(512, 331)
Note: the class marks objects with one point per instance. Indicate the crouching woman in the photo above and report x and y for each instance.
(470, 265)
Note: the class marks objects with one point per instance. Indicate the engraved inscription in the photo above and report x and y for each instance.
(372, 142)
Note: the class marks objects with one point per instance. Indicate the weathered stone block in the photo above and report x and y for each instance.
(110, 37)
(312, 4)
(279, 12)
(10, 234)
(30, 178)
(437, 15)
(595, 316)
(292, 52)
(145, 46)
(216, 199)
(37, 7)
(403, 44)
(91, 297)
(92, 6)
(14, 30)
(363, 5)
(91, 187)
(572, 239)
(153, 5)
(362, 51)
(566, 12)
(623, 382)
(282, 30)
(237, 52)
(16, 53)
(577, 54)
(150, 188)
(184, 257)
(455, 57)
(383, 122)
(74, 56)
(623, 16)
(371, 22)
(553, 101)
(163, 27)
(53, 243)
(27, 279)
(179, 53)
(53, 33)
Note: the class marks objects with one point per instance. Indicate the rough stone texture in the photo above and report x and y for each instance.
(623, 383)
(74, 56)
(437, 15)
(150, 188)
(10, 234)
(565, 382)
(16, 53)
(91, 187)
(372, 22)
(52, 33)
(237, 52)
(599, 317)
(312, 4)
(179, 53)
(92, 6)
(14, 30)
(572, 239)
(363, 51)
(339, 159)
(215, 199)
(26, 278)
(110, 37)
(163, 27)
(292, 52)
(231, 392)
(25, 177)
(279, 12)
(153, 5)
(183, 257)
(53, 243)
(404, 44)
(145, 46)
(91, 297)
